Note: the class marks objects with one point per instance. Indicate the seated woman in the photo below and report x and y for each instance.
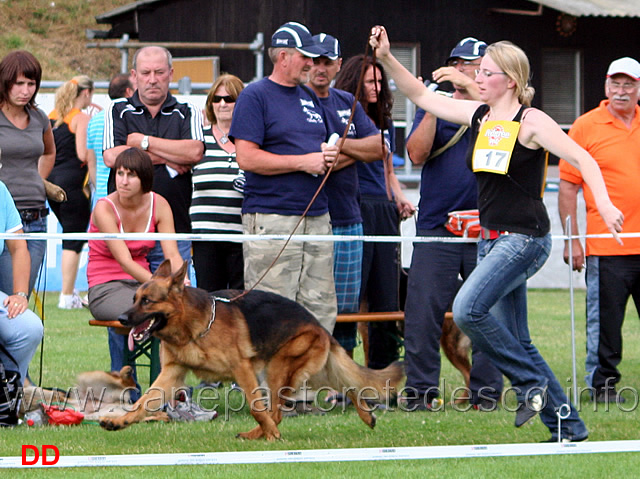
(20, 329)
(117, 267)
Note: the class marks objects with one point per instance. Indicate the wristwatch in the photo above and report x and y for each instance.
(20, 293)
(144, 144)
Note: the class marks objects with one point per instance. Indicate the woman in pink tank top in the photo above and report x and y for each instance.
(116, 268)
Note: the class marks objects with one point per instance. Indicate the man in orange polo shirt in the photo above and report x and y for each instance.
(611, 134)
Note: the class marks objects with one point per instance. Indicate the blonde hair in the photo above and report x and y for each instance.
(514, 62)
(232, 84)
(67, 93)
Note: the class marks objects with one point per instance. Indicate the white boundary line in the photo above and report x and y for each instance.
(239, 237)
(334, 455)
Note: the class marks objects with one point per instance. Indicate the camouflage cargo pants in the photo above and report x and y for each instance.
(304, 271)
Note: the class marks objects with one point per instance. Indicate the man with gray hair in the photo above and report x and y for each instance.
(279, 131)
(611, 135)
(168, 130)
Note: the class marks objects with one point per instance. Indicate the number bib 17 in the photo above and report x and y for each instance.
(494, 146)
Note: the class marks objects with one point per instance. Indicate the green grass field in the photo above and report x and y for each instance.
(71, 346)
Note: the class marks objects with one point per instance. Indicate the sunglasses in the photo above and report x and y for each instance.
(227, 99)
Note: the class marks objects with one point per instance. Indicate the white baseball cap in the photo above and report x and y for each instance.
(625, 66)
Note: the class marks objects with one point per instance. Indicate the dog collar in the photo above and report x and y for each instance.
(213, 313)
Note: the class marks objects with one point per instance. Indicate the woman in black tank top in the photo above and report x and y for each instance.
(507, 155)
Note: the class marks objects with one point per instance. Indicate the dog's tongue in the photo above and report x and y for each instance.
(130, 341)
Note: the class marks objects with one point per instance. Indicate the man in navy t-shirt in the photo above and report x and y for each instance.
(362, 143)
(446, 185)
(279, 132)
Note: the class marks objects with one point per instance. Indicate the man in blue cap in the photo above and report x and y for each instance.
(446, 185)
(361, 144)
(279, 133)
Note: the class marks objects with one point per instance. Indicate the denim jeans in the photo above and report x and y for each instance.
(20, 336)
(592, 362)
(36, 251)
(155, 257)
(491, 308)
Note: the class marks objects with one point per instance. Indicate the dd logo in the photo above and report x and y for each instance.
(45, 458)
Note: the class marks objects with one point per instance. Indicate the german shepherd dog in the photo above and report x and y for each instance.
(260, 333)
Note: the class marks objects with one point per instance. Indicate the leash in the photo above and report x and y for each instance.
(340, 143)
(387, 160)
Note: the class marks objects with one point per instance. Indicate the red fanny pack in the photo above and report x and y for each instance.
(465, 223)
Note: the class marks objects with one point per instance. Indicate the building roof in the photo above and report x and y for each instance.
(577, 8)
(595, 8)
(107, 16)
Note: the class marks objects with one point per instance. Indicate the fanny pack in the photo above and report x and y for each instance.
(465, 223)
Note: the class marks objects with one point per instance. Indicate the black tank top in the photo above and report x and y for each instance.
(512, 202)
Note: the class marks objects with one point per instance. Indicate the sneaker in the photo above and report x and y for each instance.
(527, 411)
(413, 404)
(337, 399)
(83, 299)
(205, 384)
(609, 395)
(70, 301)
(300, 408)
(486, 405)
(188, 411)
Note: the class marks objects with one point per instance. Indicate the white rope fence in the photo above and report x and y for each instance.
(240, 237)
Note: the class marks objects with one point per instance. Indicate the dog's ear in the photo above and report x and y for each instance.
(177, 279)
(164, 270)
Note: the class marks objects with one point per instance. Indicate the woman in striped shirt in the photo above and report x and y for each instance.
(217, 194)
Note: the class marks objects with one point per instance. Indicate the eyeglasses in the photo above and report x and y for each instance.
(227, 99)
(465, 63)
(488, 73)
(627, 87)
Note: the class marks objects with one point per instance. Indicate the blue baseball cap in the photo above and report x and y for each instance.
(468, 49)
(296, 35)
(330, 44)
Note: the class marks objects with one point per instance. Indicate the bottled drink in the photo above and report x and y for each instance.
(36, 418)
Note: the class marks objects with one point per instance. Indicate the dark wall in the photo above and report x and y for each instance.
(435, 24)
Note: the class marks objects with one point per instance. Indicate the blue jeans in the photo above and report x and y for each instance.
(592, 362)
(36, 251)
(20, 336)
(432, 285)
(155, 257)
(491, 308)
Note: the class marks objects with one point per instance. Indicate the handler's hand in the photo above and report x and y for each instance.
(313, 163)
(613, 218)
(380, 40)
(330, 154)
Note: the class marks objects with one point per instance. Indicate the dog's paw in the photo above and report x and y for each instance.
(111, 424)
(126, 372)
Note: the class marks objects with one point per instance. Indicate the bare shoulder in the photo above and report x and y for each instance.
(534, 123)
(161, 201)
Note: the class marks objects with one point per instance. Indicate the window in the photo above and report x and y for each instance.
(562, 85)
(408, 56)
(403, 110)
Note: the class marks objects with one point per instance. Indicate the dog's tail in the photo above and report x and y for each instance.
(359, 382)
